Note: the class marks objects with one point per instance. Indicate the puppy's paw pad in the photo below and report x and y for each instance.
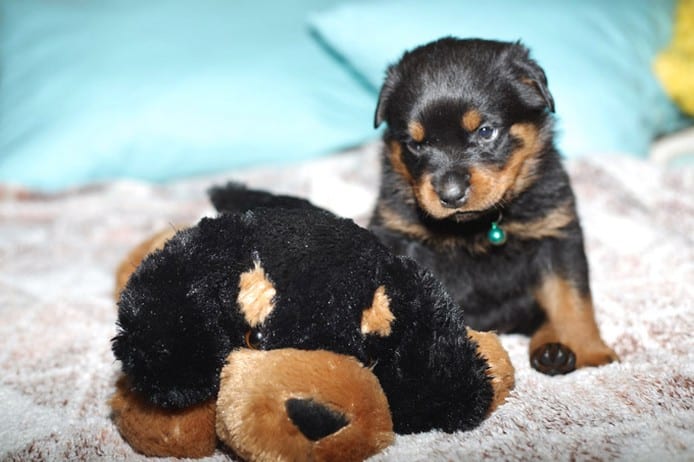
(553, 359)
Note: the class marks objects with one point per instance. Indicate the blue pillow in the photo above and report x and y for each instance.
(597, 55)
(159, 89)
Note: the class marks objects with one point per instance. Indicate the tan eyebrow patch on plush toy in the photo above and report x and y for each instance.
(256, 295)
(377, 318)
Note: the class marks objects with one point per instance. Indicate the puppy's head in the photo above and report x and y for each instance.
(468, 121)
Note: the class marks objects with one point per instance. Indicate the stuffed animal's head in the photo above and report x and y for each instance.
(265, 279)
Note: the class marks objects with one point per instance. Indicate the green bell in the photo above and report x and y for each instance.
(496, 235)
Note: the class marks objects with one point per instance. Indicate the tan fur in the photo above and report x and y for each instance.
(253, 420)
(378, 318)
(527, 173)
(551, 225)
(570, 321)
(416, 131)
(429, 199)
(256, 295)
(395, 158)
(500, 370)
(154, 431)
(471, 120)
(393, 220)
(135, 257)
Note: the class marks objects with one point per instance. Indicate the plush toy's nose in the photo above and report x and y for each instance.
(313, 419)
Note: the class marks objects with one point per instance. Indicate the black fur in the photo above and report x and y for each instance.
(435, 85)
(178, 317)
(235, 197)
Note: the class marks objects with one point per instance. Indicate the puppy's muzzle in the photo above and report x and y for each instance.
(452, 189)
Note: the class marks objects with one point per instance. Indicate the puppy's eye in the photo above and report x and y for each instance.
(253, 339)
(414, 146)
(487, 132)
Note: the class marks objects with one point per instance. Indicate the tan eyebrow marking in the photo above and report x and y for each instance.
(256, 295)
(378, 318)
(471, 120)
(416, 131)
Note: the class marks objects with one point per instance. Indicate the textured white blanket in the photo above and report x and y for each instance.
(58, 254)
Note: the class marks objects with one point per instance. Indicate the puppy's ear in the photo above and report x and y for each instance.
(391, 81)
(531, 81)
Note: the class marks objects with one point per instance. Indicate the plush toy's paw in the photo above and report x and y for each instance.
(154, 431)
(301, 405)
(500, 370)
(553, 359)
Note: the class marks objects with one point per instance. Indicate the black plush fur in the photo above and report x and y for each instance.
(234, 197)
(178, 316)
(435, 85)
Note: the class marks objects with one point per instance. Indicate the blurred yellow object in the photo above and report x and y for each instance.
(674, 66)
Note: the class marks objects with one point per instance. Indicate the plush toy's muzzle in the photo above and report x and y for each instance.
(291, 404)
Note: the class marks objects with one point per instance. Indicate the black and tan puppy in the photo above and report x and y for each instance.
(473, 188)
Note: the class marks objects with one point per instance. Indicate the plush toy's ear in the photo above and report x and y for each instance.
(387, 90)
(235, 197)
(316, 405)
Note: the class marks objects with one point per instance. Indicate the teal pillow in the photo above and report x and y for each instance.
(159, 89)
(597, 55)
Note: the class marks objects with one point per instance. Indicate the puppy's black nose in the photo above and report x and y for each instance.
(452, 189)
(313, 419)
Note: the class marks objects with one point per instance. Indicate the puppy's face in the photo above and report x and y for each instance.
(468, 121)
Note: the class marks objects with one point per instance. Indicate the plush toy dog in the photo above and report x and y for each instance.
(291, 334)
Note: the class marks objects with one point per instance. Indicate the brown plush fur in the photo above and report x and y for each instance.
(255, 386)
(154, 431)
(500, 369)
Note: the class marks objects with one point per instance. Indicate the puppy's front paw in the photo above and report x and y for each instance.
(596, 356)
(556, 358)
(553, 359)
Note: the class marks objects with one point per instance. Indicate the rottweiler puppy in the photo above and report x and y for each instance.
(474, 189)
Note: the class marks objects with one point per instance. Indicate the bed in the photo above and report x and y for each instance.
(59, 253)
(79, 188)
